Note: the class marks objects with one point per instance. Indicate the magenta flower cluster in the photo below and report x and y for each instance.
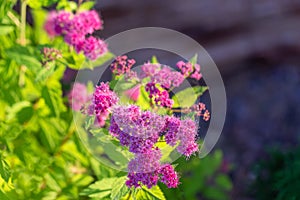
(76, 28)
(139, 131)
(102, 100)
(162, 77)
(122, 65)
(189, 70)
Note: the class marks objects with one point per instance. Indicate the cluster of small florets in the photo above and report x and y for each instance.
(122, 65)
(200, 110)
(139, 131)
(78, 96)
(162, 78)
(160, 97)
(189, 70)
(135, 129)
(76, 28)
(51, 54)
(103, 99)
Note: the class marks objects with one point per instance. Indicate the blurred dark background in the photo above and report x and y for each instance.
(256, 46)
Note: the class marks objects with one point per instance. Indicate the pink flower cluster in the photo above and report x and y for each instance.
(160, 97)
(162, 78)
(135, 129)
(78, 96)
(139, 131)
(103, 99)
(122, 65)
(145, 169)
(75, 29)
(189, 70)
(183, 132)
(200, 110)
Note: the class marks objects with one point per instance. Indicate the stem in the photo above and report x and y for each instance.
(14, 19)
(66, 138)
(23, 23)
(78, 5)
(22, 75)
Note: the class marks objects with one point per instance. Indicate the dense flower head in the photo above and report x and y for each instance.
(149, 69)
(78, 96)
(137, 123)
(144, 168)
(160, 97)
(75, 29)
(169, 176)
(186, 135)
(145, 162)
(167, 78)
(103, 99)
(189, 70)
(172, 125)
(62, 22)
(122, 65)
(93, 47)
(86, 22)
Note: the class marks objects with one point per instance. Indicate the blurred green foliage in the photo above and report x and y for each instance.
(202, 179)
(278, 176)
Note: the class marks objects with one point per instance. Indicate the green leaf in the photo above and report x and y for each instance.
(6, 28)
(119, 189)
(45, 72)
(150, 194)
(40, 3)
(53, 98)
(187, 97)
(39, 18)
(91, 64)
(143, 100)
(122, 85)
(99, 189)
(4, 169)
(224, 182)
(24, 56)
(193, 60)
(88, 5)
(22, 111)
(49, 136)
(154, 60)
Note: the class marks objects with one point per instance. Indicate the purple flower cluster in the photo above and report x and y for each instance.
(171, 128)
(137, 124)
(145, 169)
(78, 96)
(167, 78)
(183, 132)
(75, 29)
(149, 70)
(189, 70)
(122, 65)
(186, 135)
(161, 79)
(103, 99)
(139, 131)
